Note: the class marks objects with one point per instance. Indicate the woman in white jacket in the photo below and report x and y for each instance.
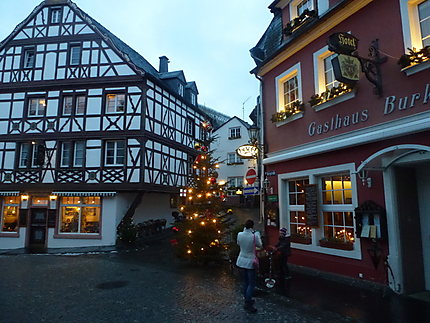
(248, 241)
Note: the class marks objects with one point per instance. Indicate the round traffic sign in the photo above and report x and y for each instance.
(251, 176)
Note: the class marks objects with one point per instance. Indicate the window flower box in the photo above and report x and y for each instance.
(296, 238)
(299, 21)
(336, 244)
(329, 95)
(296, 108)
(414, 57)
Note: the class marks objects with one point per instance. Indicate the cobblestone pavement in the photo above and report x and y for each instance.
(147, 285)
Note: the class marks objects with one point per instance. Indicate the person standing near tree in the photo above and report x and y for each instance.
(248, 241)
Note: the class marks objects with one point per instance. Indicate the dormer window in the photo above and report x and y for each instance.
(56, 15)
(181, 89)
(193, 99)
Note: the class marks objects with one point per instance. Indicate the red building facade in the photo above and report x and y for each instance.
(350, 162)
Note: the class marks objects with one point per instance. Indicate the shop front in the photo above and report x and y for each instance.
(38, 221)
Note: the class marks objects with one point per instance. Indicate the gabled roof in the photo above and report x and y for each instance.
(245, 124)
(171, 75)
(134, 56)
(193, 86)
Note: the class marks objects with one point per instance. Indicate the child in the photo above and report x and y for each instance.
(284, 248)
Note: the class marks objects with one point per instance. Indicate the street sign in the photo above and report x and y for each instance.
(251, 176)
(251, 190)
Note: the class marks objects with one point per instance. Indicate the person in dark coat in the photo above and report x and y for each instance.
(284, 248)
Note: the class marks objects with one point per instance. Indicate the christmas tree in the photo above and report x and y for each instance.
(201, 235)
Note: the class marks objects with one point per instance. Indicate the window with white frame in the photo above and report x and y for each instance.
(424, 19)
(234, 133)
(297, 7)
(234, 182)
(72, 154)
(415, 16)
(329, 78)
(323, 70)
(75, 54)
(233, 158)
(303, 5)
(80, 214)
(74, 104)
(10, 214)
(115, 153)
(115, 103)
(300, 232)
(338, 221)
(36, 107)
(336, 200)
(31, 155)
(29, 58)
(56, 14)
(288, 88)
(24, 155)
(193, 99)
(190, 126)
(181, 89)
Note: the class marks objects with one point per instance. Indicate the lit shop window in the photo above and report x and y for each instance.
(9, 220)
(337, 189)
(300, 232)
(80, 214)
(337, 210)
(339, 226)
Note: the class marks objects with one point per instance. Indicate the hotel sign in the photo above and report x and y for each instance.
(247, 151)
(342, 43)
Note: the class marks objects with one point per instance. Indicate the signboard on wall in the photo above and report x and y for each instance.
(311, 205)
(346, 69)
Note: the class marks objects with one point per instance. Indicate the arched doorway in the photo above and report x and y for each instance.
(406, 173)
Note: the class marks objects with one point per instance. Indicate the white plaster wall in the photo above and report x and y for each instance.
(154, 206)
(423, 181)
(223, 146)
(14, 243)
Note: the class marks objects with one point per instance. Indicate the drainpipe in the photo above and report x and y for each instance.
(260, 120)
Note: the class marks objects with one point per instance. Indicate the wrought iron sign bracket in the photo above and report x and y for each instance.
(371, 66)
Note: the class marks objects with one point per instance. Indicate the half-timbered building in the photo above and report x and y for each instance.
(89, 131)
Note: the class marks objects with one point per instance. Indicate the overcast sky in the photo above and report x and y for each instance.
(209, 40)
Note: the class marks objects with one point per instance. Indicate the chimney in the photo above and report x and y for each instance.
(164, 65)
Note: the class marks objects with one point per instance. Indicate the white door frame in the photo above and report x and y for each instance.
(394, 259)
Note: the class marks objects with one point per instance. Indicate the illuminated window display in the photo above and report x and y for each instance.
(338, 222)
(10, 210)
(80, 214)
(300, 233)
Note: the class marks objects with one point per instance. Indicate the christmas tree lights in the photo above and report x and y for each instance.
(200, 236)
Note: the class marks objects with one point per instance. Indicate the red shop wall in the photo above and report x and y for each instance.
(334, 264)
